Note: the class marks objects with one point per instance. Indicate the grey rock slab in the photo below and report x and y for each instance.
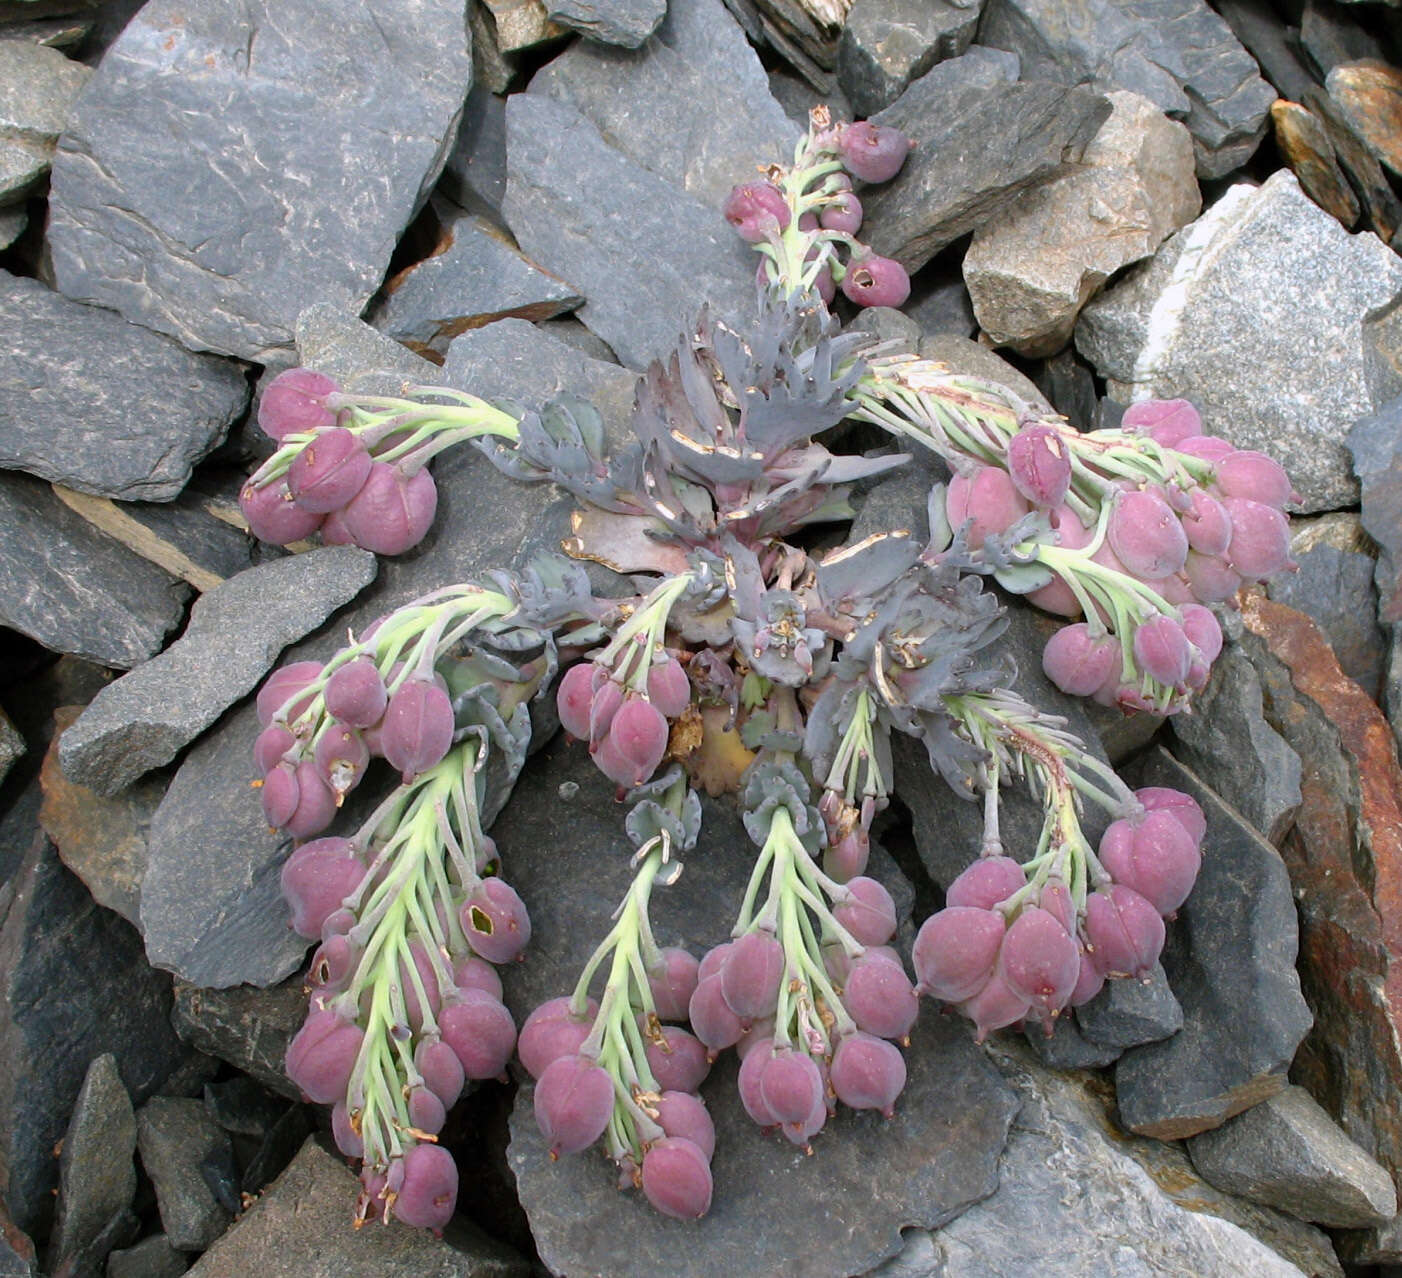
(886, 44)
(1230, 958)
(1066, 1047)
(57, 33)
(12, 745)
(1229, 743)
(75, 984)
(1074, 1199)
(475, 173)
(152, 1257)
(227, 166)
(144, 719)
(75, 590)
(333, 341)
(626, 23)
(181, 1145)
(38, 86)
(107, 407)
(980, 140)
(1255, 313)
(12, 225)
(301, 1225)
(644, 253)
(1288, 1153)
(1180, 55)
(520, 24)
(1031, 269)
(97, 1169)
(247, 1027)
(1375, 447)
(1127, 1013)
(475, 277)
(692, 106)
(944, 307)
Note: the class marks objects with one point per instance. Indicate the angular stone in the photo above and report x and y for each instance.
(475, 174)
(11, 745)
(1230, 958)
(1069, 386)
(152, 1257)
(12, 225)
(1254, 313)
(104, 406)
(693, 107)
(1330, 35)
(626, 23)
(491, 67)
(57, 33)
(37, 88)
(16, 1249)
(278, 1148)
(1304, 142)
(1369, 95)
(1375, 445)
(473, 278)
(1128, 1013)
(804, 33)
(182, 1149)
(520, 24)
(334, 342)
(886, 44)
(226, 167)
(102, 840)
(249, 1028)
(1381, 206)
(1012, 137)
(1345, 858)
(1075, 1198)
(1382, 342)
(243, 1107)
(301, 1226)
(1288, 1153)
(1066, 1047)
(1031, 269)
(72, 589)
(643, 253)
(236, 631)
(96, 1170)
(75, 985)
(1230, 744)
(943, 308)
(1267, 39)
(1181, 56)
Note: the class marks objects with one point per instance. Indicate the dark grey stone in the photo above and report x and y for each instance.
(886, 44)
(37, 88)
(301, 1226)
(228, 166)
(1375, 447)
(12, 225)
(335, 342)
(73, 985)
(1076, 1198)
(1069, 385)
(1267, 39)
(1010, 137)
(56, 33)
(152, 1257)
(17, 1259)
(798, 96)
(1127, 1013)
(561, 849)
(101, 405)
(1331, 35)
(1253, 313)
(944, 307)
(278, 1148)
(1066, 1047)
(1229, 743)
(626, 23)
(473, 279)
(644, 253)
(250, 1028)
(1180, 55)
(475, 174)
(1288, 1153)
(96, 1170)
(72, 589)
(242, 1106)
(180, 1146)
(11, 745)
(121, 1230)
(144, 719)
(1230, 959)
(692, 107)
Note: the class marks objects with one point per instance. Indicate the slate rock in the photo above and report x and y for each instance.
(1069, 386)
(56, 33)
(1230, 958)
(104, 406)
(1330, 35)
(236, 631)
(1075, 1198)
(228, 166)
(181, 1145)
(74, 590)
(301, 1225)
(1268, 40)
(335, 342)
(1382, 209)
(75, 985)
(1127, 1013)
(692, 107)
(12, 745)
(626, 23)
(798, 97)
(1287, 1152)
(563, 849)
(1375, 446)
(942, 307)
(475, 173)
(1032, 267)
(643, 253)
(1382, 342)
(38, 86)
(242, 1106)
(1254, 313)
(521, 24)
(152, 1257)
(1179, 55)
(247, 1027)
(886, 44)
(1229, 742)
(277, 1149)
(97, 1171)
(16, 1249)
(12, 225)
(1369, 94)
(1008, 137)
(1305, 146)
(491, 67)
(473, 278)
(1066, 1047)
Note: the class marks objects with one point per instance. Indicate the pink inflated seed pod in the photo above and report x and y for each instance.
(872, 280)
(273, 516)
(418, 726)
(295, 402)
(1039, 464)
(391, 513)
(988, 500)
(1146, 536)
(1166, 421)
(1079, 662)
(355, 693)
(986, 882)
(757, 211)
(329, 471)
(496, 922)
(322, 1055)
(868, 1073)
(956, 952)
(429, 1190)
(676, 1176)
(843, 214)
(552, 1031)
(573, 1103)
(316, 878)
(871, 152)
(673, 983)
